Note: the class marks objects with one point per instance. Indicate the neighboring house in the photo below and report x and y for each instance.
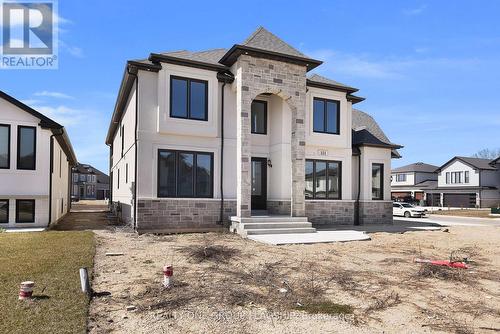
(89, 183)
(200, 138)
(468, 182)
(410, 183)
(36, 157)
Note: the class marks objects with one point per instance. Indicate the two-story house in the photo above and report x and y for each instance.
(36, 157)
(468, 182)
(411, 183)
(89, 183)
(201, 138)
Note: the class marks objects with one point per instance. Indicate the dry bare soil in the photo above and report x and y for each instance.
(226, 284)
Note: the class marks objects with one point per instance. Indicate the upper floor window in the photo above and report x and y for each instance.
(326, 116)
(377, 181)
(185, 174)
(4, 146)
(188, 98)
(323, 179)
(457, 177)
(400, 177)
(259, 117)
(26, 147)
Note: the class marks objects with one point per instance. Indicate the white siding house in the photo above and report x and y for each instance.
(35, 162)
(468, 182)
(219, 135)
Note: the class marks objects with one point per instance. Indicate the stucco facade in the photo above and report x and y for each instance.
(47, 182)
(290, 141)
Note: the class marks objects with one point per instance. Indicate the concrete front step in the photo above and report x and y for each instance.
(279, 231)
(268, 219)
(256, 226)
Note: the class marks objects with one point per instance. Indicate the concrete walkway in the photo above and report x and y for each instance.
(310, 238)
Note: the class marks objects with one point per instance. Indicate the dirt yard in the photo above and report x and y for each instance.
(226, 284)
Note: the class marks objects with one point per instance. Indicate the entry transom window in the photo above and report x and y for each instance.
(326, 116)
(4, 210)
(377, 181)
(259, 117)
(188, 98)
(25, 211)
(4, 146)
(323, 179)
(26, 147)
(185, 174)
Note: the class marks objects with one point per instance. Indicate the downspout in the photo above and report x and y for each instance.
(133, 73)
(224, 77)
(356, 212)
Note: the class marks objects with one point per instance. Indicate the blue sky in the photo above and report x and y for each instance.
(429, 70)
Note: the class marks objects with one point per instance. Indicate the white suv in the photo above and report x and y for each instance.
(407, 210)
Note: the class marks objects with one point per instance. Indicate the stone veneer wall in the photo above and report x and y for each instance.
(375, 212)
(170, 215)
(325, 212)
(279, 207)
(256, 76)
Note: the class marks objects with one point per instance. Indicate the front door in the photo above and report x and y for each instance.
(259, 183)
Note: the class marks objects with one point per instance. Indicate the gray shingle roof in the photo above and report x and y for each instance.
(478, 162)
(265, 40)
(362, 121)
(417, 167)
(323, 80)
(211, 56)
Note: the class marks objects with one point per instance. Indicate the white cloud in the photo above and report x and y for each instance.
(369, 66)
(415, 11)
(58, 95)
(61, 114)
(72, 50)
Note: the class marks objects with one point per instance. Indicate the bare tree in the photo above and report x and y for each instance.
(487, 153)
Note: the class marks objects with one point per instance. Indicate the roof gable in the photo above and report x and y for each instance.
(475, 163)
(265, 40)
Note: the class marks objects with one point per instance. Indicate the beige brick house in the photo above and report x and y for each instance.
(244, 134)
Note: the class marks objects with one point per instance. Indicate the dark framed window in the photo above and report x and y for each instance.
(401, 177)
(4, 211)
(377, 181)
(126, 173)
(60, 163)
(4, 146)
(466, 176)
(259, 117)
(123, 137)
(26, 147)
(447, 177)
(185, 174)
(326, 116)
(188, 98)
(118, 179)
(25, 211)
(323, 179)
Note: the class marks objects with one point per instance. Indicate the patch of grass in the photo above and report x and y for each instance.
(478, 213)
(52, 261)
(325, 307)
